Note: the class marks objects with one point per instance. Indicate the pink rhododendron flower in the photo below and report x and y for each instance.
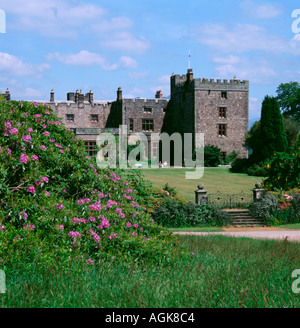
(35, 158)
(7, 125)
(24, 158)
(74, 234)
(128, 224)
(2, 228)
(44, 179)
(96, 206)
(43, 147)
(8, 151)
(59, 227)
(14, 131)
(24, 214)
(29, 226)
(30, 130)
(59, 206)
(46, 133)
(31, 189)
(26, 138)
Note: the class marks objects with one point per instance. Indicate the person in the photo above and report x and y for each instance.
(160, 164)
(165, 164)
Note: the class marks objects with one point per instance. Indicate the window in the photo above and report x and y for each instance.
(91, 147)
(94, 118)
(224, 95)
(222, 130)
(222, 112)
(130, 125)
(147, 110)
(147, 125)
(70, 118)
(223, 155)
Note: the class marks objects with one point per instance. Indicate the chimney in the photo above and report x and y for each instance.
(158, 94)
(7, 95)
(80, 97)
(119, 94)
(76, 96)
(91, 96)
(52, 96)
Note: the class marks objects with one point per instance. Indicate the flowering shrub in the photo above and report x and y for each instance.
(174, 212)
(283, 171)
(57, 206)
(276, 209)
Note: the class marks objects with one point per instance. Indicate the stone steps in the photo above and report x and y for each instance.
(242, 218)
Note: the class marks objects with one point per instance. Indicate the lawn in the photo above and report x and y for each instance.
(214, 179)
(222, 272)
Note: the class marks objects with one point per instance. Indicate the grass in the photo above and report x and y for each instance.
(214, 179)
(196, 229)
(224, 272)
(292, 226)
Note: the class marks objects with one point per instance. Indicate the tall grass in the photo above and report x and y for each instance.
(224, 272)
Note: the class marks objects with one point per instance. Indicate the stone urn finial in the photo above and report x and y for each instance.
(258, 185)
(200, 186)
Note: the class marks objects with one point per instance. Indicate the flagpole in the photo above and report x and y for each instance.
(189, 59)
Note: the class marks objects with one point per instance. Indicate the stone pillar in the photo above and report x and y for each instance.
(258, 192)
(201, 195)
(52, 96)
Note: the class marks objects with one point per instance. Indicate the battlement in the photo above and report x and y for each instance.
(179, 81)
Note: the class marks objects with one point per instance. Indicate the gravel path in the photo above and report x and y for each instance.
(289, 235)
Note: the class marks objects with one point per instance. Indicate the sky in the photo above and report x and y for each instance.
(67, 45)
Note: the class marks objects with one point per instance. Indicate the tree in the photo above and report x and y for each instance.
(297, 142)
(272, 133)
(291, 128)
(288, 97)
(253, 140)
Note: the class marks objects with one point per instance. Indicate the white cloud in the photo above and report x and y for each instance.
(245, 37)
(69, 19)
(128, 62)
(257, 70)
(138, 75)
(126, 41)
(264, 10)
(14, 66)
(85, 58)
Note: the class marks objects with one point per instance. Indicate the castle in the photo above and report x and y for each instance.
(219, 109)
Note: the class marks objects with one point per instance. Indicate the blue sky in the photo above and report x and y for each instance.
(102, 45)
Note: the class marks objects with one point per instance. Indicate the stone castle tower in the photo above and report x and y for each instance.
(219, 109)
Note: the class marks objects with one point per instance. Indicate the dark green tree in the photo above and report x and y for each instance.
(288, 96)
(272, 133)
(291, 128)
